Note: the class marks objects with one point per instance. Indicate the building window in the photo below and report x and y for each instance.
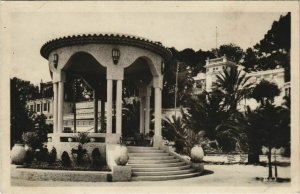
(45, 106)
(48, 106)
(38, 108)
(31, 107)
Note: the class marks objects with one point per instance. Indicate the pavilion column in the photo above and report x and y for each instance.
(119, 108)
(142, 118)
(157, 113)
(109, 106)
(95, 112)
(147, 115)
(102, 114)
(60, 106)
(55, 99)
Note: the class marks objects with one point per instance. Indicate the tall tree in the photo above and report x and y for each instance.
(21, 121)
(265, 92)
(250, 60)
(205, 111)
(276, 44)
(232, 51)
(234, 85)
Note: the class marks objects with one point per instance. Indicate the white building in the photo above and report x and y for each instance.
(204, 81)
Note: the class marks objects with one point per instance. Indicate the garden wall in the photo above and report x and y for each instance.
(60, 175)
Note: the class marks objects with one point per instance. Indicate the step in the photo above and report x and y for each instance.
(141, 147)
(168, 157)
(153, 161)
(163, 173)
(160, 169)
(143, 154)
(146, 151)
(157, 165)
(163, 178)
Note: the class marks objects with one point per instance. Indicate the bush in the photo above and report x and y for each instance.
(52, 156)
(65, 159)
(29, 157)
(42, 155)
(79, 154)
(32, 140)
(97, 160)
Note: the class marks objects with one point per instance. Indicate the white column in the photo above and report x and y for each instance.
(95, 112)
(147, 115)
(119, 108)
(109, 106)
(142, 118)
(60, 108)
(157, 126)
(55, 98)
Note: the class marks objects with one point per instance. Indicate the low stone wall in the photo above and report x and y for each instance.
(60, 175)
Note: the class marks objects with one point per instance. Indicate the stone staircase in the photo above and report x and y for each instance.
(154, 164)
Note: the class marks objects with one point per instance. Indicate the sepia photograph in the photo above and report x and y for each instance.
(149, 97)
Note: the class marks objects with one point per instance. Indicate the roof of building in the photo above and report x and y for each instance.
(106, 38)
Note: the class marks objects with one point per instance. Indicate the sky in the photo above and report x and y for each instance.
(30, 30)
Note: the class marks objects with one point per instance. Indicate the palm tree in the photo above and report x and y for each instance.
(130, 114)
(205, 111)
(174, 129)
(234, 84)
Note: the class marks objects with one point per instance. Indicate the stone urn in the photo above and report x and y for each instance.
(197, 154)
(92, 139)
(18, 154)
(121, 155)
(70, 139)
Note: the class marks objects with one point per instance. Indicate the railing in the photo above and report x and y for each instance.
(73, 137)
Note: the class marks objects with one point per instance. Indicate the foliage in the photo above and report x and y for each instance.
(65, 159)
(83, 137)
(191, 63)
(205, 111)
(234, 86)
(174, 129)
(76, 87)
(265, 92)
(32, 140)
(29, 157)
(275, 47)
(52, 156)
(20, 118)
(231, 51)
(250, 59)
(41, 128)
(130, 118)
(42, 155)
(79, 154)
(97, 160)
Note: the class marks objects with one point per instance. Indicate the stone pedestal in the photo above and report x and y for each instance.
(198, 166)
(157, 141)
(121, 173)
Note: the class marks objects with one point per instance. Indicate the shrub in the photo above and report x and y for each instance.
(97, 160)
(83, 137)
(52, 156)
(32, 140)
(65, 159)
(29, 156)
(42, 155)
(79, 154)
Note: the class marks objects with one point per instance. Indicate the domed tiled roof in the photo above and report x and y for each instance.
(108, 38)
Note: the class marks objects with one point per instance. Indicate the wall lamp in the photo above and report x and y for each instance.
(116, 55)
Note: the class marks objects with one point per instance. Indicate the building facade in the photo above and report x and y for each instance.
(214, 67)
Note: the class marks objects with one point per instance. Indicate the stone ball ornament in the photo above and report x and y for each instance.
(121, 156)
(18, 154)
(197, 154)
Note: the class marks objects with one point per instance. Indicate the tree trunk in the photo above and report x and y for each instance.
(253, 155)
(270, 163)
